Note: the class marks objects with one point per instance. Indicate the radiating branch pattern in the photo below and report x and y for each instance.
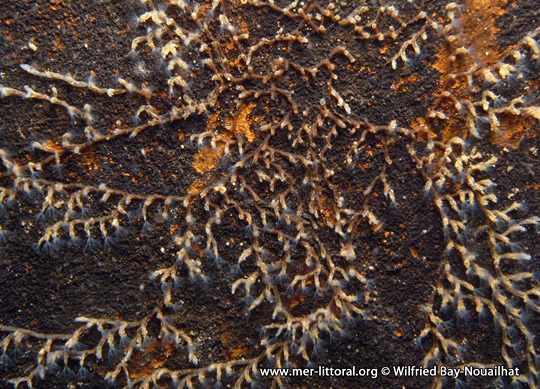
(291, 159)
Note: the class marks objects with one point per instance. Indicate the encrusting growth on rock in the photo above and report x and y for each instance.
(304, 127)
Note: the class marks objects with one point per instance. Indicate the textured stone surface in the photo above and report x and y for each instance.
(196, 192)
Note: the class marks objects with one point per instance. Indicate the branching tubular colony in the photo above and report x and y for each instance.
(279, 186)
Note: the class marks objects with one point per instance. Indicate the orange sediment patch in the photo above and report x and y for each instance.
(89, 161)
(477, 33)
(478, 25)
(328, 209)
(242, 125)
(206, 159)
(511, 130)
(195, 186)
(233, 352)
(238, 351)
(442, 61)
(404, 83)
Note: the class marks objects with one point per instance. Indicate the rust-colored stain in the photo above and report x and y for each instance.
(242, 124)
(478, 21)
(300, 298)
(327, 208)
(226, 338)
(206, 159)
(233, 352)
(442, 61)
(89, 161)
(404, 83)
(238, 351)
(478, 36)
(511, 130)
(195, 186)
